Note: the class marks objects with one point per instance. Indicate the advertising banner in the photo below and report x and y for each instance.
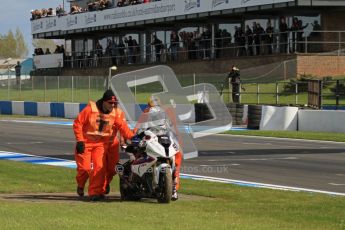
(153, 10)
(48, 61)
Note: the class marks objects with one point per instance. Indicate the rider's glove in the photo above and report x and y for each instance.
(80, 147)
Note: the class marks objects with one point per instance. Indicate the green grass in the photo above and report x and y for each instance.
(212, 206)
(324, 136)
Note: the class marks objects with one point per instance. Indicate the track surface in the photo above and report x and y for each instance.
(307, 164)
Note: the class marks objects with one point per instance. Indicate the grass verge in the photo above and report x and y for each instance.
(212, 206)
(322, 136)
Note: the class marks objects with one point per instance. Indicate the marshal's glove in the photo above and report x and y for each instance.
(80, 147)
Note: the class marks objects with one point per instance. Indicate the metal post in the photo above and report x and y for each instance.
(277, 93)
(257, 93)
(32, 84)
(212, 40)
(45, 88)
(72, 86)
(20, 88)
(296, 93)
(8, 86)
(58, 88)
(194, 81)
(240, 93)
(89, 97)
(229, 85)
(337, 95)
(135, 88)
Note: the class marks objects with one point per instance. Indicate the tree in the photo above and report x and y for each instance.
(9, 46)
(22, 49)
(13, 46)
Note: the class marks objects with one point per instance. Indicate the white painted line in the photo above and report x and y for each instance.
(71, 164)
(279, 138)
(335, 184)
(24, 143)
(340, 174)
(219, 165)
(262, 159)
(260, 185)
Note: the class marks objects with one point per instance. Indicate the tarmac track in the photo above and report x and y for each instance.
(307, 164)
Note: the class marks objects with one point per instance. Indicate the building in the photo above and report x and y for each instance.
(207, 31)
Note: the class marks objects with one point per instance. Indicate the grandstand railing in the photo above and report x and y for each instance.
(308, 42)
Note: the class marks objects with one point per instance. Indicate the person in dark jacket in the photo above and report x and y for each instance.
(234, 75)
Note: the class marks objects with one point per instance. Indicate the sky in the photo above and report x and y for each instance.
(16, 13)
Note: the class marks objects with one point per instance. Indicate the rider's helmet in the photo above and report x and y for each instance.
(154, 101)
(154, 104)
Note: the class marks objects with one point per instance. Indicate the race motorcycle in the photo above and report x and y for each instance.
(150, 172)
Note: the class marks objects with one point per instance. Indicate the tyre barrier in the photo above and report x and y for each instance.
(254, 116)
(236, 111)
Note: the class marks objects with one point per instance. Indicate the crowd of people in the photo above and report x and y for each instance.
(58, 49)
(183, 45)
(93, 5)
(42, 13)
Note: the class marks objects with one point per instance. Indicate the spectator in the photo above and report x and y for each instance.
(226, 38)
(158, 47)
(316, 26)
(269, 36)
(258, 38)
(130, 49)
(234, 75)
(99, 53)
(47, 51)
(174, 45)
(249, 38)
(206, 43)
(18, 68)
(121, 50)
(114, 53)
(283, 35)
(219, 43)
(294, 29)
(315, 36)
(136, 50)
(300, 45)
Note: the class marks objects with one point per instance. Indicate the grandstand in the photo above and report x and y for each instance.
(206, 37)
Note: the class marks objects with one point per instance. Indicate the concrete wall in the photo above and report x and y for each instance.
(278, 118)
(321, 121)
(292, 118)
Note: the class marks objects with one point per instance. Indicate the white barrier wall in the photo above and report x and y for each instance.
(71, 110)
(321, 120)
(279, 118)
(18, 107)
(43, 109)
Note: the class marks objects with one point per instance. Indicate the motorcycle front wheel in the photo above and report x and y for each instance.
(165, 184)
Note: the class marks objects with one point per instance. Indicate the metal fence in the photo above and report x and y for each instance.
(85, 88)
(193, 48)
